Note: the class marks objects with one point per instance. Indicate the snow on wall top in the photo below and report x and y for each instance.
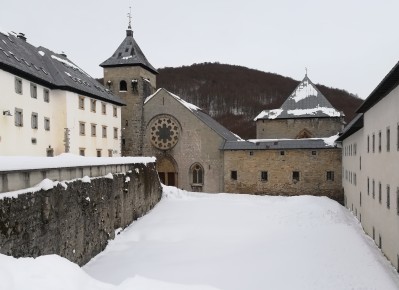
(10, 163)
(304, 102)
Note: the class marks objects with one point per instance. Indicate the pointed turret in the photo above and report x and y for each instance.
(128, 74)
(306, 113)
(128, 54)
(304, 102)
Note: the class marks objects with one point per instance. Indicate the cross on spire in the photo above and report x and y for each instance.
(306, 71)
(129, 15)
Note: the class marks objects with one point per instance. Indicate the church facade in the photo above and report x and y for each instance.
(196, 153)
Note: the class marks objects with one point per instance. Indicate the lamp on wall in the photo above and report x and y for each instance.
(7, 113)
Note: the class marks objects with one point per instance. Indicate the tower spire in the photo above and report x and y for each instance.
(129, 15)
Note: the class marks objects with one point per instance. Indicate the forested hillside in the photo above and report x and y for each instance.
(235, 95)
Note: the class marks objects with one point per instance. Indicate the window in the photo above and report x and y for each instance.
(104, 132)
(33, 90)
(82, 128)
(233, 174)
(380, 241)
(46, 124)
(360, 162)
(46, 95)
(93, 130)
(134, 86)
(330, 175)
(314, 152)
(373, 143)
(18, 86)
(98, 152)
(368, 143)
(19, 117)
(360, 199)
(354, 179)
(264, 176)
(109, 153)
(373, 192)
(197, 174)
(115, 111)
(388, 139)
(388, 197)
(368, 186)
(373, 233)
(115, 133)
(104, 108)
(295, 176)
(251, 153)
(379, 192)
(282, 153)
(397, 137)
(379, 141)
(93, 106)
(397, 201)
(122, 86)
(82, 151)
(34, 120)
(81, 102)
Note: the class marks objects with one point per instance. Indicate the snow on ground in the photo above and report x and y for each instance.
(194, 241)
(246, 242)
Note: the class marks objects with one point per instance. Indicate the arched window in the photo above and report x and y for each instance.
(197, 174)
(123, 86)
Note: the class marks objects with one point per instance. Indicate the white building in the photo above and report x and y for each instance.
(49, 106)
(370, 149)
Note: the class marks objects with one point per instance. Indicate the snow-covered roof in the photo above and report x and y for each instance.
(282, 144)
(52, 70)
(205, 118)
(306, 101)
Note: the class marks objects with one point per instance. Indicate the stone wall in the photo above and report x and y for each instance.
(291, 128)
(312, 172)
(78, 221)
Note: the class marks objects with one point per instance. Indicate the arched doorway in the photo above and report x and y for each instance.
(167, 170)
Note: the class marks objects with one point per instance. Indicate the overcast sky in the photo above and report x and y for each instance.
(347, 44)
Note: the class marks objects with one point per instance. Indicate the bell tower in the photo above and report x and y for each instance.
(129, 75)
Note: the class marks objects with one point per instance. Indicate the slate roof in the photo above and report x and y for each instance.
(204, 117)
(129, 54)
(306, 101)
(45, 67)
(280, 144)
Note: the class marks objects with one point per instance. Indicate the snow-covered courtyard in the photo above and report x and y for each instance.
(222, 241)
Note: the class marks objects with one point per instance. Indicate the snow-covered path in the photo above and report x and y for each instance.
(246, 242)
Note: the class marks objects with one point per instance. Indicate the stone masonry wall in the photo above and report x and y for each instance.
(290, 128)
(77, 222)
(312, 172)
(132, 113)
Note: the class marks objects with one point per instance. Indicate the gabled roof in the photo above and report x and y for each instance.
(282, 144)
(43, 66)
(129, 54)
(390, 81)
(306, 101)
(204, 117)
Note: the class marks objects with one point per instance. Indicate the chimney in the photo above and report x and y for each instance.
(21, 36)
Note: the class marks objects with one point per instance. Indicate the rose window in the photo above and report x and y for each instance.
(164, 132)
